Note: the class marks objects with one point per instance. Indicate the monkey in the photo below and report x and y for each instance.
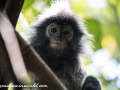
(58, 39)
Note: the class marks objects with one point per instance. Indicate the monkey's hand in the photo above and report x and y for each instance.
(91, 83)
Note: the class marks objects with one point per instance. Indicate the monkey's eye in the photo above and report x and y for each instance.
(53, 30)
(66, 32)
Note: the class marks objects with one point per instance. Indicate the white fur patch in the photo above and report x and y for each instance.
(58, 8)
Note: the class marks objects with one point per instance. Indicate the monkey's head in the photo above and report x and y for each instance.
(58, 30)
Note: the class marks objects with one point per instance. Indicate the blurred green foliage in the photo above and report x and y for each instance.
(102, 19)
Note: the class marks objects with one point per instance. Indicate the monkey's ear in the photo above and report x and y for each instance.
(91, 83)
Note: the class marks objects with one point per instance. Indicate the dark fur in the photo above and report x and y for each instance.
(64, 62)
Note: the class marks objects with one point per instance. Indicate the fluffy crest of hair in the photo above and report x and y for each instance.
(58, 8)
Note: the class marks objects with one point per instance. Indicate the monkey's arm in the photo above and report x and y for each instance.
(91, 83)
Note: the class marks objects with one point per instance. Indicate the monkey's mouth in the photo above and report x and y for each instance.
(57, 45)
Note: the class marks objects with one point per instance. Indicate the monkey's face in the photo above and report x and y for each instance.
(59, 35)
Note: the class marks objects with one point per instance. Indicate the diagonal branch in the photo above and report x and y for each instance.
(32, 61)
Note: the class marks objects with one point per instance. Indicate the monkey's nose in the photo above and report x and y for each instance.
(59, 37)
